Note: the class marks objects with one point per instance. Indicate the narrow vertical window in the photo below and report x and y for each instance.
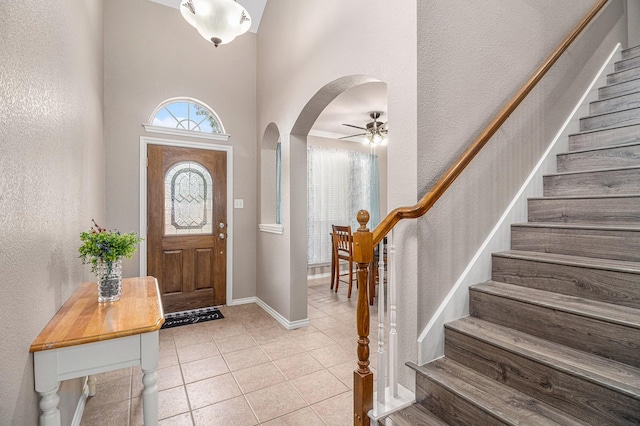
(278, 181)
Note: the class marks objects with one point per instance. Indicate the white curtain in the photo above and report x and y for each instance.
(339, 185)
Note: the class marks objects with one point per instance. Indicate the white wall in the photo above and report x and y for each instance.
(633, 22)
(472, 58)
(152, 54)
(51, 178)
(303, 46)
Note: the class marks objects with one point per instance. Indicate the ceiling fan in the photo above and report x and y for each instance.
(375, 131)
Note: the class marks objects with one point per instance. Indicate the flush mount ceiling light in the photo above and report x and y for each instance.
(219, 21)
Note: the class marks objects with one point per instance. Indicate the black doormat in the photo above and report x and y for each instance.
(195, 316)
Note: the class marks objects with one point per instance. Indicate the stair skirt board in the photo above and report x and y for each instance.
(454, 306)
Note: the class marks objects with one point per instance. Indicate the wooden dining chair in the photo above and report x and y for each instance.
(342, 250)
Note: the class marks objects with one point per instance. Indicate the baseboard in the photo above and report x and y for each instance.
(82, 402)
(242, 301)
(456, 304)
(289, 325)
(404, 399)
(319, 276)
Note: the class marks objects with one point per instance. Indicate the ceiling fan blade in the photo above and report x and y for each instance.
(353, 136)
(355, 127)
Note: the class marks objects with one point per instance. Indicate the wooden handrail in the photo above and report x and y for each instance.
(364, 240)
(429, 199)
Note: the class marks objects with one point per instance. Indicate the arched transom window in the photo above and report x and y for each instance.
(180, 115)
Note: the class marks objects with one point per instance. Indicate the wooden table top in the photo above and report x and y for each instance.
(83, 320)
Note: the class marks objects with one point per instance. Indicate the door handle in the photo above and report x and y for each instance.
(222, 236)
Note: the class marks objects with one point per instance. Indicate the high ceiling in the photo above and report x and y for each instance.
(351, 107)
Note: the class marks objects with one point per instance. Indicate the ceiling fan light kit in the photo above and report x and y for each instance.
(218, 21)
(375, 131)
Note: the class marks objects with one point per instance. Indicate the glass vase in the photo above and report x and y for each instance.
(109, 280)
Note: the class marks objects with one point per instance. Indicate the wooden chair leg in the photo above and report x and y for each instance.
(333, 268)
(350, 279)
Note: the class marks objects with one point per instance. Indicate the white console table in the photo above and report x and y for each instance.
(86, 338)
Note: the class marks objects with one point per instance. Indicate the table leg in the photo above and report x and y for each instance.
(49, 405)
(149, 363)
(47, 384)
(91, 383)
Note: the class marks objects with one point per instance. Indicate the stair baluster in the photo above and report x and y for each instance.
(362, 377)
(393, 335)
(382, 358)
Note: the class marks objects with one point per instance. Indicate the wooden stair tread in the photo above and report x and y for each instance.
(603, 129)
(585, 197)
(630, 52)
(604, 114)
(622, 70)
(604, 148)
(569, 260)
(610, 169)
(615, 89)
(614, 375)
(626, 115)
(500, 401)
(623, 75)
(627, 64)
(610, 98)
(566, 322)
(415, 415)
(628, 99)
(617, 314)
(631, 227)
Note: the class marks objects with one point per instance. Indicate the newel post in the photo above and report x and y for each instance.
(362, 377)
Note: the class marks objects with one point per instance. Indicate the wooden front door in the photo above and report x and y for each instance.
(187, 225)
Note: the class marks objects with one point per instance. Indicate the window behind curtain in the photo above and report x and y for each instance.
(339, 185)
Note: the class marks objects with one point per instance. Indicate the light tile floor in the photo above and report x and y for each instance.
(246, 369)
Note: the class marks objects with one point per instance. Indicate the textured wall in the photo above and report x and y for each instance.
(152, 54)
(633, 22)
(303, 46)
(472, 57)
(51, 178)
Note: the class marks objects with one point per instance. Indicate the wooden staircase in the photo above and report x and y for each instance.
(554, 337)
